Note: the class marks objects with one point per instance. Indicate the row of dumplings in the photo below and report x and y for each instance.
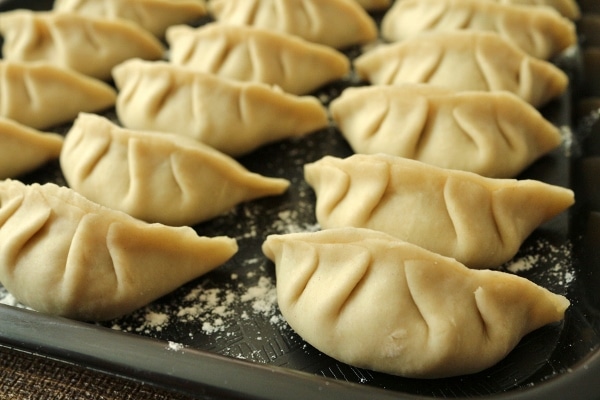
(71, 37)
(356, 290)
(164, 177)
(50, 234)
(110, 31)
(164, 96)
(401, 279)
(167, 96)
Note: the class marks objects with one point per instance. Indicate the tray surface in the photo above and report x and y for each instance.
(223, 335)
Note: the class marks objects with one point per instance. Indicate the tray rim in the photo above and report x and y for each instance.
(177, 369)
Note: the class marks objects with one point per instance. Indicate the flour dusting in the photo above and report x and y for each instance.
(211, 310)
(522, 264)
(545, 263)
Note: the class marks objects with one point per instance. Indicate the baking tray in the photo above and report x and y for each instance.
(222, 336)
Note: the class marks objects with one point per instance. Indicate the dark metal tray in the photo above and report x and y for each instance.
(222, 336)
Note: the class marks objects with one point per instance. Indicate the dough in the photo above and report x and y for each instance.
(463, 60)
(479, 221)
(373, 301)
(89, 45)
(23, 149)
(156, 177)
(495, 134)
(233, 117)
(251, 54)
(63, 255)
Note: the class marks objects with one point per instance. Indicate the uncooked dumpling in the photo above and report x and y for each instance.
(335, 23)
(495, 134)
(538, 31)
(376, 302)
(89, 45)
(233, 117)
(567, 8)
(40, 95)
(64, 255)
(153, 15)
(23, 149)
(464, 60)
(479, 221)
(156, 177)
(251, 54)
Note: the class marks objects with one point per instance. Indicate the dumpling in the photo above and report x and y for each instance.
(481, 222)
(495, 134)
(153, 15)
(64, 255)
(538, 31)
(335, 23)
(89, 45)
(376, 302)
(463, 60)
(567, 8)
(233, 117)
(374, 5)
(251, 54)
(23, 149)
(40, 95)
(156, 177)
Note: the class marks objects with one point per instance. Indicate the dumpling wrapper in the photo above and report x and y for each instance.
(374, 5)
(539, 31)
(153, 15)
(252, 54)
(481, 222)
(373, 301)
(156, 177)
(233, 117)
(495, 134)
(463, 60)
(89, 45)
(567, 8)
(23, 149)
(336, 23)
(61, 254)
(41, 95)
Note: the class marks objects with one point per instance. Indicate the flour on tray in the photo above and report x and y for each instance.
(8, 299)
(545, 263)
(211, 310)
(288, 222)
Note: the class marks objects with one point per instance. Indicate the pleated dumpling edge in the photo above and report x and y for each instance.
(373, 301)
(64, 255)
(155, 176)
(479, 221)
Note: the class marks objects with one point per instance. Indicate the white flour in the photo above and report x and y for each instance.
(175, 346)
(7, 298)
(542, 261)
(288, 223)
(215, 309)
(522, 264)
